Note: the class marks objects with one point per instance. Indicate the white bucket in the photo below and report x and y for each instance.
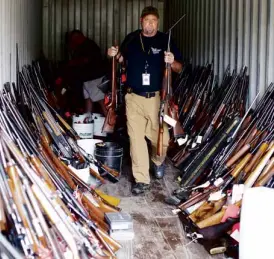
(88, 144)
(84, 130)
(98, 125)
(81, 118)
(96, 115)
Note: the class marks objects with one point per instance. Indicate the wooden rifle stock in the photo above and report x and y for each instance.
(216, 218)
(94, 211)
(237, 156)
(42, 171)
(178, 131)
(162, 114)
(110, 119)
(256, 159)
(196, 198)
(103, 236)
(94, 174)
(244, 141)
(215, 122)
(16, 190)
(67, 126)
(206, 210)
(3, 219)
(166, 93)
(104, 206)
(61, 170)
(266, 174)
(56, 220)
(160, 140)
(256, 173)
(172, 109)
(106, 170)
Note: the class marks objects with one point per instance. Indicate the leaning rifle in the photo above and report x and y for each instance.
(110, 119)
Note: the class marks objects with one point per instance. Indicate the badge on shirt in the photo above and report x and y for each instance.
(146, 79)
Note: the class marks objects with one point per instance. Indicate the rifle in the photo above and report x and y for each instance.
(202, 159)
(24, 148)
(194, 170)
(206, 210)
(163, 105)
(256, 173)
(221, 110)
(167, 105)
(41, 191)
(266, 175)
(110, 119)
(216, 218)
(35, 198)
(221, 165)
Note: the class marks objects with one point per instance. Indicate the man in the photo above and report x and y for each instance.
(88, 67)
(144, 54)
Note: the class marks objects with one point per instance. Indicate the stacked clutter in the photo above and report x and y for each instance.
(204, 107)
(121, 225)
(46, 209)
(235, 154)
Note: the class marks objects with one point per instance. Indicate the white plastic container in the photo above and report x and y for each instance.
(98, 125)
(84, 130)
(81, 118)
(257, 227)
(96, 115)
(88, 144)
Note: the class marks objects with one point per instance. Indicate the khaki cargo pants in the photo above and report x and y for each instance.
(143, 121)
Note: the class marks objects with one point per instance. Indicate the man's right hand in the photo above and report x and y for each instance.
(113, 51)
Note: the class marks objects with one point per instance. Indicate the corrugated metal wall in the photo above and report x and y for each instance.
(235, 32)
(20, 22)
(98, 19)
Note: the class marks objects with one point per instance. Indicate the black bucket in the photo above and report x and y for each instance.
(110, 154)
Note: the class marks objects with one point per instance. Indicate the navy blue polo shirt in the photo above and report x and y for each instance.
(136, 59)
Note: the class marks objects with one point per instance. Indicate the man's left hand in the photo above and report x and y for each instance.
(169, 57)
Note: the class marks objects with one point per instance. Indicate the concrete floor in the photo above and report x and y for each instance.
(158, 232)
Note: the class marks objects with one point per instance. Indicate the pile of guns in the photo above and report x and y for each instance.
(204, 107)
(46, 210)
(235, 153)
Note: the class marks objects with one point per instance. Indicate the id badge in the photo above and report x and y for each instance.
(146, 79)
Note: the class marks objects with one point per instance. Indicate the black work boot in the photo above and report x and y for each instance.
(159, 170)
(139, 188)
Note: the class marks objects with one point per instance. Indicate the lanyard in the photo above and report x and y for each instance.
(143, 48)
(142, 44)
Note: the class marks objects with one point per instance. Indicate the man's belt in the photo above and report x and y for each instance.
(144, 94)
